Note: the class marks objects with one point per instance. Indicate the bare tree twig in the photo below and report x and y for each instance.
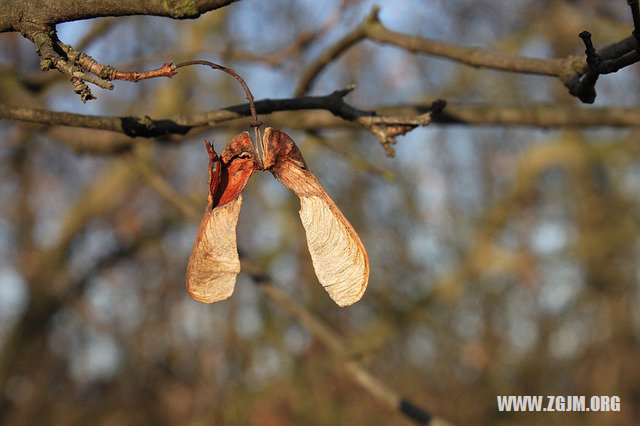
(79, 66)
(385, 128)
(568, 70)
(309, 76)
(290, 112)
(583, 86)
(108, 72)
(36, 21)
(563, 68)
(374, 30)
(46, 41)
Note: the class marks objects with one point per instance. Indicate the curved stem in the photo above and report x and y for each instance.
(256, 123)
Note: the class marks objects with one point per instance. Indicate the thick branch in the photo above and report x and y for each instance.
(51, 12)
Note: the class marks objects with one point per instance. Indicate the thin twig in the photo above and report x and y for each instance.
(49, 49)
(310, 75)
(256, 123)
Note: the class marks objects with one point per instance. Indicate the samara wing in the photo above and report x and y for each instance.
(214, 262)
(339, 258)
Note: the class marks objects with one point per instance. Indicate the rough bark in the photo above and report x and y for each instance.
(16, 13)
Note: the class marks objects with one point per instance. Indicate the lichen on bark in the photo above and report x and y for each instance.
(181, 8)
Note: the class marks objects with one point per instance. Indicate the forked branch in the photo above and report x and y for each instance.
(578, 74)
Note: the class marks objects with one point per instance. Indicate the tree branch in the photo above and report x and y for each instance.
(37, 22)
(614, 59)
(568, 70)
(342, 115)
(565, 69)
(385, 128)
(474, 56)
(51, 12)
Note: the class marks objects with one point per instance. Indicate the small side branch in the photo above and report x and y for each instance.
(79, 67)
(387, 128)
(612, 60)
(310, 75)
(52, 56)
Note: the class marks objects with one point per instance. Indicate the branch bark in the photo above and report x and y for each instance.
(385, 128)
(309, 112)
(563, 68)
(566, 69)
(37, 22)
(51, 12)
(569, 70)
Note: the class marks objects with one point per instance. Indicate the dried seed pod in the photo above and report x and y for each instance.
(339, 258)
(214, 262)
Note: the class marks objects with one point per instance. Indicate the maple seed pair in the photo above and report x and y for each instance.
(338, 256)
